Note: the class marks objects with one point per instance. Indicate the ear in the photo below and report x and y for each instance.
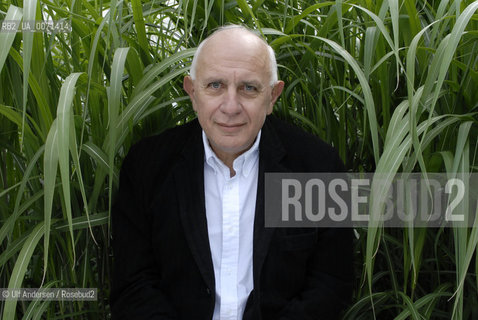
(188, 86)
(276, 91)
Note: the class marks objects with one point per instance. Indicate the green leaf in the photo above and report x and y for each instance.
(369, 103)
(6, 38)
(113, 110)
(64, 121)
(29, 8)
(20, 268)
(140, 28)
(50, 166)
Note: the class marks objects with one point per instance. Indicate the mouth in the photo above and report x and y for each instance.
(230, 127)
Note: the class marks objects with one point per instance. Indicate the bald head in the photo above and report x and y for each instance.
(235, 37)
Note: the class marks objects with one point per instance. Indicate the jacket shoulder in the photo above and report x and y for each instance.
(308, 151)
(153, 157)
(161, 147)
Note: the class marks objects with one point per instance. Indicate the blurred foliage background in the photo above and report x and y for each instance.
(393, 85)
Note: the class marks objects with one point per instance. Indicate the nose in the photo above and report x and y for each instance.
(231, 104)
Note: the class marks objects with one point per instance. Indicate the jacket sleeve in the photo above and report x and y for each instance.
(135, 292)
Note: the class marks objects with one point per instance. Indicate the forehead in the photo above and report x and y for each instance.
(234, 52)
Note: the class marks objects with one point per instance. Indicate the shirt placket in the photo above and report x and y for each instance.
(230, 249)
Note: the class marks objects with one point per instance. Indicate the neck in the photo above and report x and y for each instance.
(228, 160)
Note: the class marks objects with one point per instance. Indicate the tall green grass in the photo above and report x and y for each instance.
(391, 84)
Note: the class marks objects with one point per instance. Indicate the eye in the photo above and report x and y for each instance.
(214, 85)
(248, 87)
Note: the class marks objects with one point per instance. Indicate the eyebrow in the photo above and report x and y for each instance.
(209, 80)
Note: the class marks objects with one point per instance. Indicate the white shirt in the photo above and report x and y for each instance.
(230, 207)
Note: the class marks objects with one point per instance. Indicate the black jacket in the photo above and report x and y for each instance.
(162, 261)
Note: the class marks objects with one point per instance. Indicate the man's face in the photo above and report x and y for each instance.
(232, 93)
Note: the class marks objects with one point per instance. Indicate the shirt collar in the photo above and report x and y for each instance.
(242, 164)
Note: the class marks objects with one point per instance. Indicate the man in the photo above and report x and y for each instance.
(188, 225)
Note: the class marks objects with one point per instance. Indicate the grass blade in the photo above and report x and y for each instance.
(20, 268)
(6, 38)
(50, 166)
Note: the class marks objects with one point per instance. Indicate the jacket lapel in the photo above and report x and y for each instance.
(271, 153)
(190, 189)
